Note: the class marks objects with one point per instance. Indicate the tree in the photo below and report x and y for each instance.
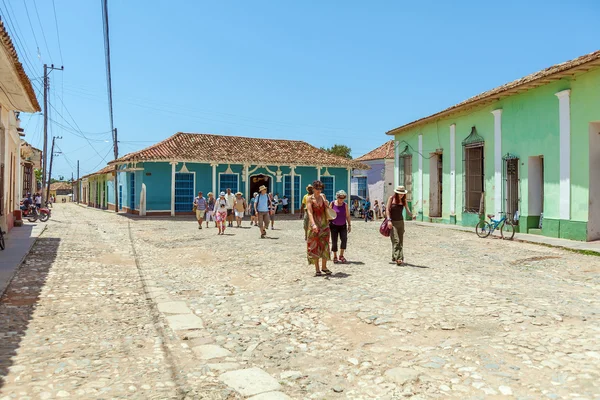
(38, 175)
(339, 150)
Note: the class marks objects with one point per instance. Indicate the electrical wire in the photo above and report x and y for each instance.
(57, 33)
(42, 28)
(32, 30)
(100, 163)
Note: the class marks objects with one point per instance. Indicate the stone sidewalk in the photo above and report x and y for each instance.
(18, 243)
(525, 237)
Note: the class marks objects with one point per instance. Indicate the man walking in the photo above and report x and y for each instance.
(239, 207)
(230, 197)
(368, 210)
(200, 204)
(262, 207)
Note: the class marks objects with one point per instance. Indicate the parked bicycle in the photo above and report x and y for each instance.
(485, 228)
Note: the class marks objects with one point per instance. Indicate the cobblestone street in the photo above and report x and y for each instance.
(107, 306)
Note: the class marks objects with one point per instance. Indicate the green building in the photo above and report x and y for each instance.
(530, 149)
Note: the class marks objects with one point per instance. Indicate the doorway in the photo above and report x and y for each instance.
(435, 185)
(257, 181)
(535, 188)
(593, 229)
(511, 196)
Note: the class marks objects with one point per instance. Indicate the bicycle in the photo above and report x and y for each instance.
(485, 229)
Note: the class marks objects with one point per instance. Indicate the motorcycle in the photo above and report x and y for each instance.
(32, 213)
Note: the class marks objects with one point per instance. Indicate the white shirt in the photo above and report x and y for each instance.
(230, 200)
(219, 202)
(284, 201)
(38, 199)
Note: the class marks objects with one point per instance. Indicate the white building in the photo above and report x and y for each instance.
(375, 183)
(16, 95)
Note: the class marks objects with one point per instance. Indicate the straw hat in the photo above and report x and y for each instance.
(263, 187)
(401, 190)
(239, 194)
(341, 193)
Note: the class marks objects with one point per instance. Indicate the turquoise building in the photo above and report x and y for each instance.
(163, 179)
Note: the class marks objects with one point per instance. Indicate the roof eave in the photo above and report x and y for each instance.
(493, 97)
(353, 164)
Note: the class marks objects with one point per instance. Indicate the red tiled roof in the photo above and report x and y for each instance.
(201, 147)
(386, 150)
(60, 186)
(106, 170)
(543, 77)
(23, 78)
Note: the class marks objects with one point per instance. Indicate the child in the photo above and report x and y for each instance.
(221, 213)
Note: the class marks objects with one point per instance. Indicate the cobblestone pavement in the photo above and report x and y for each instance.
(233, 316)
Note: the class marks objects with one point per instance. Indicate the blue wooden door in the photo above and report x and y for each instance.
(184, 192)
(132, 191)
(120, 197)
(288, 190)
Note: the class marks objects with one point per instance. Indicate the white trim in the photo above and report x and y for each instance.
(564, 117)
(318, 173)
(246, 182)
(293, 175)
(219, 182)
(349, 193)
(420, 172)
(214, 179)
(173, 164)
(323, 191)
(497, 162)
(453, 169)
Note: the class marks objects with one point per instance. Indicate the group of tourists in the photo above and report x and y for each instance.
(324, 221)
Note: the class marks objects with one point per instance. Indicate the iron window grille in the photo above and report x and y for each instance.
(362, 187)
(511, 186)
(474, 173)
(184, 191)
(328, 188)
(228, 181)
(405, 171)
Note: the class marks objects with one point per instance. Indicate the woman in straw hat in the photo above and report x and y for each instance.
(340, 226)
(396, 205)
(239, 208)
(317, 243)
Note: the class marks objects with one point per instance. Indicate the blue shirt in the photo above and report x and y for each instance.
(262, 203)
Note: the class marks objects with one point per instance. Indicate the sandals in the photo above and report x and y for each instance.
(326, 271)
(318, 273)
(335, 260)
(343, 260)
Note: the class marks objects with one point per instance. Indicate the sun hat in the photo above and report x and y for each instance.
(255, 193)
(239, 194)
(308, 187)
(263, 187)
(222, 194)
(209, 193)
(401, 190)
(341, 193)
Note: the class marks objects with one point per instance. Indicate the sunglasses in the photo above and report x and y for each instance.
(341, 197)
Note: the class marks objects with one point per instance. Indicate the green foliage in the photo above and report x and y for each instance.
(339, 150)
(38, 175)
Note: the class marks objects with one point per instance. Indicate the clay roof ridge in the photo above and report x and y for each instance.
(536, 77)
(386, 150)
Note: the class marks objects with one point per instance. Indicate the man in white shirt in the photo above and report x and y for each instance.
(230, 197)
(284, 203)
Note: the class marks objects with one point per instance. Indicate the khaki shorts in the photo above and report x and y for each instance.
(200, 214)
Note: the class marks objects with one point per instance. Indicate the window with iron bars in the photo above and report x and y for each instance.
(405, 174)
(474, 177)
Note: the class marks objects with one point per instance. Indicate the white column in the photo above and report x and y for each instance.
(453, 169)
(318, 173)
(247, 181)
(497, 162)
(214, 180)
(420, 173)
(173, 164)
(564, 117)
(349, 184)
(292, 191)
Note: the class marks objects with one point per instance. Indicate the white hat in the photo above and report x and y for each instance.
(222, 194)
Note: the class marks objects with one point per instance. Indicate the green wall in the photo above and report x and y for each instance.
(530, 127)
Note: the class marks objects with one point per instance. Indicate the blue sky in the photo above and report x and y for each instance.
(325, 72)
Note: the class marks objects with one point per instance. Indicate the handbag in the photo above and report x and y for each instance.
(194, 208)
(331, 214)
(384, 229)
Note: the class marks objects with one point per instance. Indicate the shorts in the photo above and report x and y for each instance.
(229, 212)
(239, 214)
(210, 216)
(200, 214)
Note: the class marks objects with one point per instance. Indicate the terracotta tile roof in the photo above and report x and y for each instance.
(200, 147)
(106, 170)
(543, 77)
(60, 186)
(386, 150)
(7, 43)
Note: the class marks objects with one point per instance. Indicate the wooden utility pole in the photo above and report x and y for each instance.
(45, 151)
(78, 183)
(116, 150)
(50, 171)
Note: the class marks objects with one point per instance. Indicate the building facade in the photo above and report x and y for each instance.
(529, 149)
(164, 179)
(16, 96)
(31, 159)
(376, 183)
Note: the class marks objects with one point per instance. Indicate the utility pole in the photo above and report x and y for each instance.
(78, 183)
(50, 172)
(45, 151)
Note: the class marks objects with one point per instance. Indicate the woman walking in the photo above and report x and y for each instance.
(210, 209)
(317, 243)
(253, 216)
(340, 226)
(221, 213)
(395, 206)
(239, 207)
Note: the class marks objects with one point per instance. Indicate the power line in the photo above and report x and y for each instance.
(42, 28)
(18, 43)
(32, 30)
(57, 32)
(102, 161)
